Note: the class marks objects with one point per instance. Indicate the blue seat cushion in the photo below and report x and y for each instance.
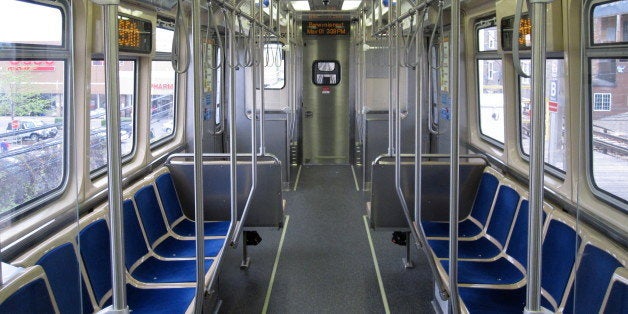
(480, 248)
(33, 297)
(172, 247)
(466, 229)
(187, 228)
(162, 300)
(497, 272)
(153, 270)
(493, 301)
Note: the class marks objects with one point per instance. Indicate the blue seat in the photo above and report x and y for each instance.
(157, 233)
(62, 269)
(473, 224)
(179, 223)
(151, 269)
(592, 279)
(558, 257)
(498, 229)
(32, 297)
(500, 271)
(94, 250)
(617, 299)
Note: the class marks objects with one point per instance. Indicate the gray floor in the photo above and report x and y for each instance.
(326, 265)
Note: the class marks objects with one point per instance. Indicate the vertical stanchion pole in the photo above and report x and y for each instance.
(198, 155)
(418, 122)
(455, 155)
(114, 166)
(262, 113)
(391, 86)
(233, 162)
(537, 157)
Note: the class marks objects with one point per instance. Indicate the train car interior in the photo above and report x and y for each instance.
(314, 156)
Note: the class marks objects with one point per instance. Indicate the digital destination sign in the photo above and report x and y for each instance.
(134, 35)
(326, 28)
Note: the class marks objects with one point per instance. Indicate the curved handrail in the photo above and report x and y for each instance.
(179, 27)
(516, 59)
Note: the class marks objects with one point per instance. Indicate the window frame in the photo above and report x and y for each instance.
(549, 168)
(102, 170)
(63, 52)
(162, 22)
(597, 51)
(487, 55)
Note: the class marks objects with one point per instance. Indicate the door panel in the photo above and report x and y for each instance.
(325, 113)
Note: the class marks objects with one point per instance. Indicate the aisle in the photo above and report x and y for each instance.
(326, 264)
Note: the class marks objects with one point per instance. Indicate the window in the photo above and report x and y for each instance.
(36, 24)
(274, 70)
(162, 85)
(555, 109)
(325, 72)
(33, 104)
(487, 38)
(98, 107)
(602, 101)
(608, 18)
(608, 99)
(490, 83)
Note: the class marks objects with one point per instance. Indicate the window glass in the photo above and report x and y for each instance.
(487, 39)
(609, 122)
(98, 106)
(162, 100)
(274, 71)
(32, 100)
(163, 39)
(610, 22)
(31, 23)
(555, 109)
(491, 94)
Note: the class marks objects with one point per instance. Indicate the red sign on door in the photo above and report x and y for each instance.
(553, 106)
(326, 90)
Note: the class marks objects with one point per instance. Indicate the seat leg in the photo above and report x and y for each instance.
(407, 261)
(246, 260)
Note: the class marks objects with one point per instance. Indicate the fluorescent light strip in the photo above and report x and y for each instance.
(301, 5)
(350, 5)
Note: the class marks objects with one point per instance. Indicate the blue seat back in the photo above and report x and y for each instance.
(169, 197)
(503, 213)
(559, 254)
(62, 269)
(134, 243)
(617, 299)
(592, 279)
(518, 243)
(33, 297)
(484, 197)
(94, 249)
(150, 213)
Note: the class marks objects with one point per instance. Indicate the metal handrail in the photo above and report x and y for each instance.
(419, 236)
(515, 39)
(537, 157)
(454, 166)
(432, 44)
(247, 206)
(197, 72)
(180, 32)
(114, 166)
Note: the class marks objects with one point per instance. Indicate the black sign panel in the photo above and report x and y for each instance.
(326, 28)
